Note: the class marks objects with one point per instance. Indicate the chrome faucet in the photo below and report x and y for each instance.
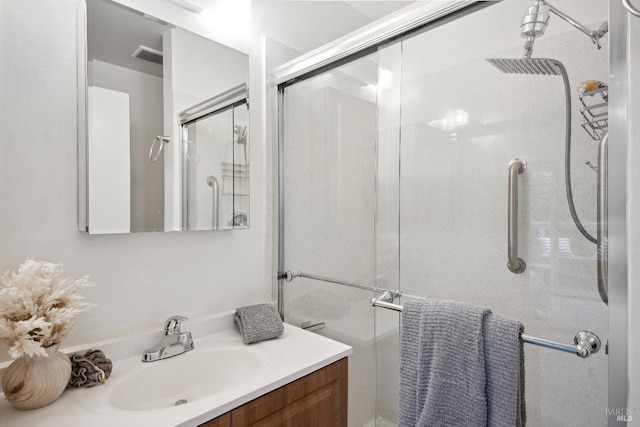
(173, 342)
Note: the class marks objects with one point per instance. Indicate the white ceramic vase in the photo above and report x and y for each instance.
(33, 382)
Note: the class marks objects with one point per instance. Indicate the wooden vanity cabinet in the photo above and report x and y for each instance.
(221, 421)
(316, 400)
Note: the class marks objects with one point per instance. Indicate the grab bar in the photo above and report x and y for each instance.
(213, 183)
(632, 10)
(585, 342)
(602, 236)
(514, 264)
(163, 140)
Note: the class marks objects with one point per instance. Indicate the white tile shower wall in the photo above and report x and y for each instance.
(140, 278)
(330, 186)
(463, 121)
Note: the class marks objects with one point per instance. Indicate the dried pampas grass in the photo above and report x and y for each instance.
(38, 307)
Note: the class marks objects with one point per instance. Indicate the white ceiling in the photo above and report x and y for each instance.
(115, 31)
(307, 24)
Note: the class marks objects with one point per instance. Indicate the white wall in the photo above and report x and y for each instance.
(140, 278)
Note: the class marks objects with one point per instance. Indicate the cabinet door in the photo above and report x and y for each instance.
(316, 400)
(221, 421)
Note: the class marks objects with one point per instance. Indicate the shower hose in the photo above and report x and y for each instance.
(567, 156)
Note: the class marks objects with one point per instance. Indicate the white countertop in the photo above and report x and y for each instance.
(287, 358)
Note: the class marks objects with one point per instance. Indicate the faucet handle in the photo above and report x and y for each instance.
(172, 325)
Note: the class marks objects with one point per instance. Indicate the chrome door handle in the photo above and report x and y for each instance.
(514, 264)
(602, 236)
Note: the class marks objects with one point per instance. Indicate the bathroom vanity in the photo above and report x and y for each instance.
(299, 378)
(319, 398)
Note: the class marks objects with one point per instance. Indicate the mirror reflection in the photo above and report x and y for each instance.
(167, 127)
(217, 175)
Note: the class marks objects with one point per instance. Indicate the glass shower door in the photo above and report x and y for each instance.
(216, 170)
(462, 122)
(329, 208)
(396, 176)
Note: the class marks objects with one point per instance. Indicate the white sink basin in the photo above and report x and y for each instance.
(185, 378)
(221, 373)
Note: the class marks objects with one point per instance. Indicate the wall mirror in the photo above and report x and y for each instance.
(164, 126)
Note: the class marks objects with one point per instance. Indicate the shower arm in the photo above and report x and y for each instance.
(594, 35)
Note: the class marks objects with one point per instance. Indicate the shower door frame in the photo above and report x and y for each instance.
(230, 99)
(410, 20)
(423, 16)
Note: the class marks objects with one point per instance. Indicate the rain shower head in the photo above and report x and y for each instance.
(539, 66)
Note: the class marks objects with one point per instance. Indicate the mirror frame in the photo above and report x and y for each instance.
(220, 101)
(81, 114)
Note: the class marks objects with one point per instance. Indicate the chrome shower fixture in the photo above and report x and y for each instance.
(536, 19)
(534, 24)
(537, 66)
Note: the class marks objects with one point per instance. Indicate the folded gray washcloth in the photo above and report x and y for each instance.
(258, 322)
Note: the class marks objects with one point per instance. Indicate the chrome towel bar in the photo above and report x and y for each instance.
(289, 276)
(585, 343)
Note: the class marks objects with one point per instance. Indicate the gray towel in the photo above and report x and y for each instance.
(440, 357)
(504, 364)
(447, 378)
(258, 323)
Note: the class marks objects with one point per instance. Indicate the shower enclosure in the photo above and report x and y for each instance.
(394, 175)
(215, 181)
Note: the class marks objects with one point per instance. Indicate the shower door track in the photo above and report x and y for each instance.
(407, 20)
